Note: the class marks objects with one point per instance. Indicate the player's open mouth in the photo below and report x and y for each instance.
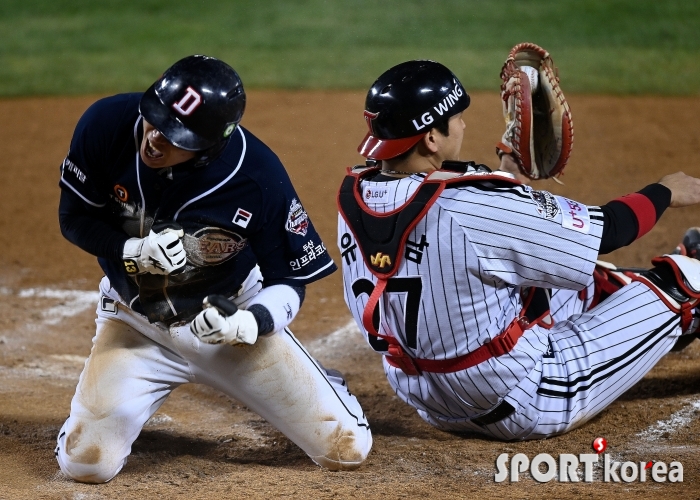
(152, 152)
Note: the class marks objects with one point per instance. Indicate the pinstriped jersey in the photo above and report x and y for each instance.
(459, 281)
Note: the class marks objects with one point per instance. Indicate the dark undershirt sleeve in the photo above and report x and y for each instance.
(621, 224)
(87, 231)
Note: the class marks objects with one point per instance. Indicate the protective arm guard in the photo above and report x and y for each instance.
(676, 280)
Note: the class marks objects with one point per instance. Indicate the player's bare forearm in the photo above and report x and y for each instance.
(685, 190)
(509, 165)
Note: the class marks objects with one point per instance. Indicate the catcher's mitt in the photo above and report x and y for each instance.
(539, 131)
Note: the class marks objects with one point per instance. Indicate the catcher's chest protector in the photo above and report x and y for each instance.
(381, 237)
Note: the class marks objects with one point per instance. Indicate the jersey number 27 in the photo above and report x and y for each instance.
(412, 287)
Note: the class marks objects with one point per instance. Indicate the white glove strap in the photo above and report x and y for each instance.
(131, 255)
(282, 302)
(132, 248)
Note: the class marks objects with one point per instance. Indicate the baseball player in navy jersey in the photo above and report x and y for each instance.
(483, 295)
(206, 250)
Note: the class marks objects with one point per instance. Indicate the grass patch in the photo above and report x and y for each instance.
(602, 46)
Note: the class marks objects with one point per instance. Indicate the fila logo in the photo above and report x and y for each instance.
(189, 102)
(369, 117)
(380, 260)
(242, 217)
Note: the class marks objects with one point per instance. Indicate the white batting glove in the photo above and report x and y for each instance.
(212, 327)
(158, 253)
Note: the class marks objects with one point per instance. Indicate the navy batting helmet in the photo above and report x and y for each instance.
(405, 103)
(197, 103)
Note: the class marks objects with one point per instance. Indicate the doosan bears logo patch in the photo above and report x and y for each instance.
(547, 206)
(297, 220)
(211, 246)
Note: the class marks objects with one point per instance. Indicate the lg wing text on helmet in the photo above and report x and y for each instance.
(442, 107)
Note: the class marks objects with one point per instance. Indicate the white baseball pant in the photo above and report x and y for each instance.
(593, 358)
(135, 365)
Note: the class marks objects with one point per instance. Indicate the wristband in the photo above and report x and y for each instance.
(282, 301)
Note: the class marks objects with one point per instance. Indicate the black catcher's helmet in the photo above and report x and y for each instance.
(197, 103)
(405, 103)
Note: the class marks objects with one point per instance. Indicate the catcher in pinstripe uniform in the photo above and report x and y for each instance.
(485, 297)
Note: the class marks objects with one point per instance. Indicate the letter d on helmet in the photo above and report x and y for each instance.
(196, 104)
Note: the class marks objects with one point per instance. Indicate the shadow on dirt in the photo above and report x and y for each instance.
(160, 442)
(274, 449)
(666, 387)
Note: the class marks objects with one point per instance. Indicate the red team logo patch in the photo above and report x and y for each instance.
(369, 117)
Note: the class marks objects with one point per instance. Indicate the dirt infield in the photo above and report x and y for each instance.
(202, 444)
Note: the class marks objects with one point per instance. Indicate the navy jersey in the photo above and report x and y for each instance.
(237, 211)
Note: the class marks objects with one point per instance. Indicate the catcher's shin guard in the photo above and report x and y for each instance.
(608, 279)
(676, 280)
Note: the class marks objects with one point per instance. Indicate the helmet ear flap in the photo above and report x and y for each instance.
(204, 157)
